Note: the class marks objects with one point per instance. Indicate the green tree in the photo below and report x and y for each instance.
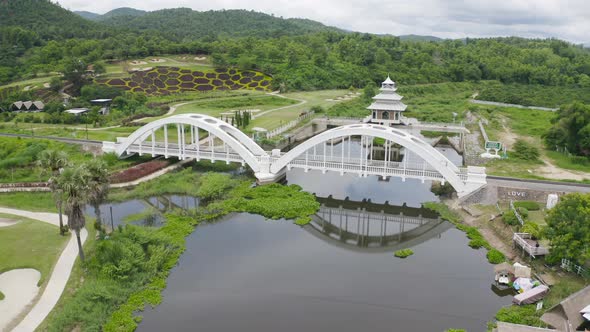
(74, 72)
(571, 129)
(369, 91)
(98, 187)
(56, 84)
(568, 228)
(54, 161)
(75, 184)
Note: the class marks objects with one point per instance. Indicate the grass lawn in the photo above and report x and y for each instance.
(183, 61)
(31, 201)
(30, 244)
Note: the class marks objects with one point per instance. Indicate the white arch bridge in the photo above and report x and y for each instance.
(199, 136)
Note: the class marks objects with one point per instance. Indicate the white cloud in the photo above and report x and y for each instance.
(565, 19)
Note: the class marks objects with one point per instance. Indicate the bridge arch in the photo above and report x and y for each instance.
(414, 144)
(234, 138)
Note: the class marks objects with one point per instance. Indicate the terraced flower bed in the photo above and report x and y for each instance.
(167, 80)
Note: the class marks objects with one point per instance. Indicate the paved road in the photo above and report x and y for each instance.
(538, 184)
(55, 138)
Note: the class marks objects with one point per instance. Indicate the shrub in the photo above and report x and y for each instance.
(529, 205)
(509, 218)
(442, 189)
(403, 253)
(1, 296)
(525, 150)
(494, 256)
(532, 228)
(213, 185)
(524, 213)
(525, 315)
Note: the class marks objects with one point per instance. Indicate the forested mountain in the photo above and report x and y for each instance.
(300, 54)
(47, 20)
(87, 15)
(187, 24)
(420, 38)
(123, 11)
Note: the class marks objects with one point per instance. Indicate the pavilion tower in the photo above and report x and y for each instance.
(387, 107)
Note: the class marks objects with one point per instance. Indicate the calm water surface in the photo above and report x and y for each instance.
(245, 273)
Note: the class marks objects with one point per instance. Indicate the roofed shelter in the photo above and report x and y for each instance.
(27, 106)
(387, 107)
(566, 316)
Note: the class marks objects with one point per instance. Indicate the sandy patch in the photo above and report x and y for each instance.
(157, 60)
(551, 171)
(200, 58)
(137, 63)
(20, 289)
(4, 222)
(46, 85)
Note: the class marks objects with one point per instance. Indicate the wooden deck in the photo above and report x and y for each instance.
(529, 245)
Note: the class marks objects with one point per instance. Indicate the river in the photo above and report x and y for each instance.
(336, 274)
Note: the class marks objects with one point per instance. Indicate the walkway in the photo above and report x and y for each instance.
(494, 103)
(59, 276)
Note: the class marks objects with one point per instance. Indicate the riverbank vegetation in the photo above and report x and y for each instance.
(127, 270)
(476, 239)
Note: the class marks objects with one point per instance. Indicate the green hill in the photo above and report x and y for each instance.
(48, 20)
(123, 11)
(185, 23)
(88, 15)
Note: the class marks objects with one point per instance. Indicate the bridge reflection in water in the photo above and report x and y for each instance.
(367, 227)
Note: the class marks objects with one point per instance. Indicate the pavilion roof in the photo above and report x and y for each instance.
(397, 106)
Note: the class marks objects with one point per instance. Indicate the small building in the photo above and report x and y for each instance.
(104, 105)
(77, 111)
(387, 108)
(568, 315)
(27, 106)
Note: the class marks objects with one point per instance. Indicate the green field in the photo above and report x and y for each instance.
(30, 244)
(184, 61)
(19, 157)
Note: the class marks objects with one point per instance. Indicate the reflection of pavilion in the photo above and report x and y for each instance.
(374, 228)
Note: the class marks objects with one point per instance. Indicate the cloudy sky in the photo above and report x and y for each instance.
(565, 19)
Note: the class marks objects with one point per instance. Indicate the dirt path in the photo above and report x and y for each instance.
(551, 171)
(548, 170)
(508, 137)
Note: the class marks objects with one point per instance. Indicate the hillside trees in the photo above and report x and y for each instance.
(571, 129)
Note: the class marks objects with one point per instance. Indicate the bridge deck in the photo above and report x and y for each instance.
(342, 164)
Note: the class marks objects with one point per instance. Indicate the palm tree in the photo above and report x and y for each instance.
(75, 184)
(54, 161)
(98, 187)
